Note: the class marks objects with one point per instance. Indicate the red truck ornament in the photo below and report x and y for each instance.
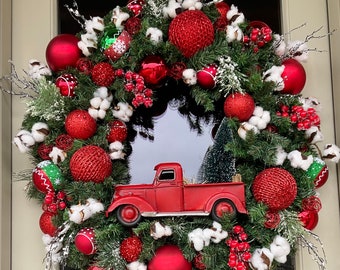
(169, 195)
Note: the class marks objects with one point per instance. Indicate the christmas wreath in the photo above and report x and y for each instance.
(105, 86)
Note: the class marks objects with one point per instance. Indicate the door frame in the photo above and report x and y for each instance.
(325, 14)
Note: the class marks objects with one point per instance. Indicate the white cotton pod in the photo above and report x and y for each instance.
(101, 92)
(93, 112)
(105, 104)
(39, 131)
(331, 152)
(95, 102)
(314, 135)
(101, 114)
(94, 205)
(279, 45)
(57, 155)
(261, 259)
(24, 141)
(281, 156)
(189, 76)
(155, 35)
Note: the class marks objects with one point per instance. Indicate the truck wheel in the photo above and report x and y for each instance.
(128, 215)
(222, 207)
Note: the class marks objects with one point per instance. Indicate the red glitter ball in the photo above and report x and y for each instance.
(103, 74)
(80, 125)
(131, 248)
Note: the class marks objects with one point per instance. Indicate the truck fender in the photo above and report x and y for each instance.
(237, 202)
(141, 204)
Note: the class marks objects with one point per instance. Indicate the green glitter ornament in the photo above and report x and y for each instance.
(46, 176)
(318, 172)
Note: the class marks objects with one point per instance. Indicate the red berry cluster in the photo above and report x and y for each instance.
(134, 83)
(304, 119)
(258, 37)
(54, 202)
(239, 255)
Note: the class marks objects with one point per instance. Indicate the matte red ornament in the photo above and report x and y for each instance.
(118, 131)
(67, 84)
(206, 77)
(169, 257)
(103, 74)
(131, 248)
(275, 187)
(191, 31)
(240, 106)
(119, 47)
(62, 52)
(309, 219)
(85, 241)
(294, 77)
(80, 125)
(153, 70)
(90, 164)
(46, 223)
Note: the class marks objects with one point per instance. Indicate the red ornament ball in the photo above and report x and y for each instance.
(169, 257)
(103, 74)
(131, 248)
(309, 219)
(294, 77)
(118, 131)
(90, 164)
(121, 44)
(46, 176)
(46, 223)
(221, 22)
(240, 106)
(80, 125)
(94, 267)
(275, 187)
(85, 241)
(206, 77)
(191, 31)
(62, 52)
(153, 70)
(67, 84)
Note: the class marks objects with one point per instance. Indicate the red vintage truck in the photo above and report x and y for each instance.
(169, 195)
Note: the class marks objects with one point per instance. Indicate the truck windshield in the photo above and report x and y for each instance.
(167, 175)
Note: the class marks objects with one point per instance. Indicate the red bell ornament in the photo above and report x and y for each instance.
(62, 52)
(67, 84)
(206, 77)
(294, 77)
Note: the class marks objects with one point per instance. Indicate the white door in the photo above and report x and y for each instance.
(34, 24)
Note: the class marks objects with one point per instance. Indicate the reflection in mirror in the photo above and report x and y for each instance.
(173, 142)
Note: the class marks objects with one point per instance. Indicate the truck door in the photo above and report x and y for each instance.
(169, 191)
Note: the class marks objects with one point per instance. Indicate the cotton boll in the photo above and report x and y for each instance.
(298, 160)
(40, 131)
(281, 156)
(331, 152)
(96, 24)
(172, 9)
(94, 205)
(119, 17)
(101, 114)
(95, 102)
(314, 135)
(101, 92)
(280, 248)
(192, 5)
(105, 104)
(279, 45)
(123, 111)
(154, 34)
(57, 155)
(93, 112)
(274, 75)
(24, 141)
(189, 76)
(233, 32)
(261, 259)
(136, 265)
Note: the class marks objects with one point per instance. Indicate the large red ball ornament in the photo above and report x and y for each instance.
(240, 106)
(117, 132)
(206, 77)
(169, 257)
(191, 31)
(62, 52)
(46, 223)
(85, 241)
(294, 77)
(80, 125)
(275, 187)
(153, 70)
(67, 84)
(90, 164)
(46, 176)
(309, 219)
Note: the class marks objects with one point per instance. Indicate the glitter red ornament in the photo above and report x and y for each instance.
(206, 76)
(153, 70)
(46, 223)
(67, 84)
(84, 65)
(240, 106)
(117, 132)
(272, 219)
(169, 257)
(294, 77)
(309, 219)
(191, 31)
(131, 248)
(62, 52)
(103, 74)
(80, 125)
(90, 164)
(85, 241)
(275, 187)
(221, 22)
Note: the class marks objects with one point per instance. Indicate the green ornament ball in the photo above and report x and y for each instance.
(318, 172)
(46, 176)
